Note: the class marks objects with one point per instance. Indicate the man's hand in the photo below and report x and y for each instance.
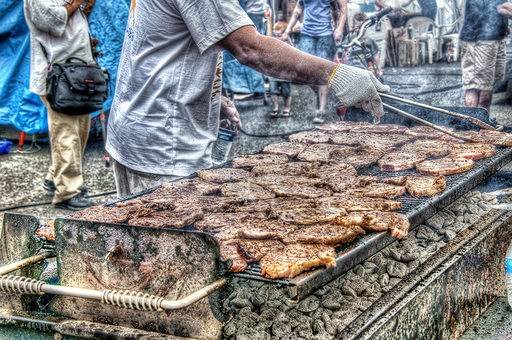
(229, 111)
(89, 4)
(359, 88)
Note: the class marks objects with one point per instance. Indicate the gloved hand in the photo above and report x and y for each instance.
(358, 87)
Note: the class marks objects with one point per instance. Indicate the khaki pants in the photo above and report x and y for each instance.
(68, 139)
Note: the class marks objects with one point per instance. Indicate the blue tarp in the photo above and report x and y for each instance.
(20, 107)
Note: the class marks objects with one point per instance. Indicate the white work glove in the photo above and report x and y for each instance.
(358, 87)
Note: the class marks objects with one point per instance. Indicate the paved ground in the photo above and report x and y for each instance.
(22, 173)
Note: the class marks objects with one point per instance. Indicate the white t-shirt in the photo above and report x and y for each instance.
(165, 113)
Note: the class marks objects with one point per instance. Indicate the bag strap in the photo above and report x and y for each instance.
(90, 44)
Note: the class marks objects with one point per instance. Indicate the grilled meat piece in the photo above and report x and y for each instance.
(397, 224)
(444, 166)
(383, 190)
(272, 179)
(246, 190)
(426, 132)
(176, 219)
(309, 137)
(305, 216)
(384, 142)
(345, 138)
(324, 170)
(340, 126)
(210, 203)
(223, 175)
(428, 147)
(106, 214)
(320, 152)
(231, 252)
(295, 259)
(473, 151)
(495, 137)
(289, 169)
(425, 186)
(47, 231)
(358, 203)
(213, 222)
(359, 157)
(299, 190)
(400, 180)
(342, 183)
(260, 207)
(325, 233)
(289, 149)
(199, 186)
(400, 160)
(380, 128)
(286, 203)
(256, 228)
(254, 250)
(249, 161)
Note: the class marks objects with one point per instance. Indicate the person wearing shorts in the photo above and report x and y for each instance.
(483, 55)
(277, 86)
(318, 37)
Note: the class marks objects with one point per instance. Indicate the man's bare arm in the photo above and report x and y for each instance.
(276, 58)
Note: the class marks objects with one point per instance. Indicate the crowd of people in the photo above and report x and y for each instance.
(169, 97)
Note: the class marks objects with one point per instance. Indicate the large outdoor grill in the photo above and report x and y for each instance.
(427, 284)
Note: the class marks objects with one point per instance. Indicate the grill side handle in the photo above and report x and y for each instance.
(120, 298)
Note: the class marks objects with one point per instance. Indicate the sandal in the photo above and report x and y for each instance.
(274, 113)
(286, 113)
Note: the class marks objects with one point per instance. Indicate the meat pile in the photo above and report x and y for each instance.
(292, 205)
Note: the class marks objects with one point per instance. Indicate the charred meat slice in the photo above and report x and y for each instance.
(358, 203)
(426, 132)
(397, 224)
(176, 219)
(289, 149)
(444, 166)
(428, 147)
(305, 216)
(289, 169)
(213, 222)
(384, 142)
(321, 152)
(342, 138)
(425, 186)
(210, 203)
(286, 203)
(256, 228)
(309, 137)
(272, 179)
(400, 160)
(325, 233)
(360, 157)
(254, 250)
(334, 170)
(342, 183)
(340, 126)
(223, 175)
(106, 214)
(299, 190)
(473, 151)
(229, 251)
(295, 259)
(495, 137)
(249, 161)
(246, 190)
(383, 190)
(198, 185)
(380, 128)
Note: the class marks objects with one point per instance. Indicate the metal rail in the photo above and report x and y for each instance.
(122, 298)
(25, 262)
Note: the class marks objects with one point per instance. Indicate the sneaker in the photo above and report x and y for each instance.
(319, 118)
(49, 186)
(76, 203)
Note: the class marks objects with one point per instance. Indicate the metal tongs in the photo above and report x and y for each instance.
(436, 127)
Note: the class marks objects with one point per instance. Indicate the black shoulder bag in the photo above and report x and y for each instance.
(76, 88)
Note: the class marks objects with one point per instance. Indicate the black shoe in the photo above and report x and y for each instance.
(49, 186)
(76, 203)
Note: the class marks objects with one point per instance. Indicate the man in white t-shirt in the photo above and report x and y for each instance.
(165, 113)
